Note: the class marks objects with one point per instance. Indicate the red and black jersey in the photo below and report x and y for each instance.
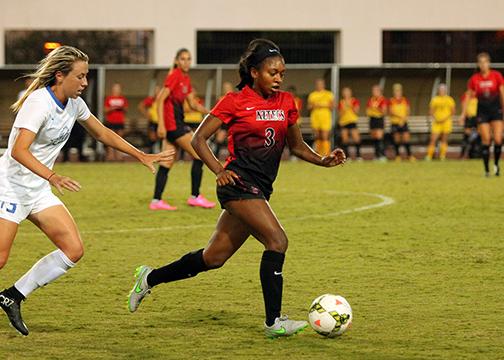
(257, 132)
(487, 88)
(180, 86)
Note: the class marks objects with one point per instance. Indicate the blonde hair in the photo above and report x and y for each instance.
(60, 59)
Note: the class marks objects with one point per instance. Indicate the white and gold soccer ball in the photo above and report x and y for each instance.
(330, 315)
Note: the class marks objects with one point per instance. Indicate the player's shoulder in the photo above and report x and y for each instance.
(41, 96)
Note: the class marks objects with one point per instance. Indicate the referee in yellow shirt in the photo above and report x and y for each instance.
(320, 105)
(442, 108)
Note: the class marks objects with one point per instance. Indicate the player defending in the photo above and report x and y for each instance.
(46, 114)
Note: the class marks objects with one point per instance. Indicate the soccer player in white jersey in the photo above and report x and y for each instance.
(45, 116)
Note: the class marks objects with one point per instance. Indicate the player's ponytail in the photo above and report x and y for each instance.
(257, 51)
(60, 59)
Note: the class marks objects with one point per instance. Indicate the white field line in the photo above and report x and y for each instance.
(385, 201)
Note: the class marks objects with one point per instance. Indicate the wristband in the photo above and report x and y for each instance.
(51, 176)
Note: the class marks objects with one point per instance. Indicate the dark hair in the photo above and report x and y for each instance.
(179, 52)
(257, 51)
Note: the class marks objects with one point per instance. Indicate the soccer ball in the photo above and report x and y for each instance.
(330, 315)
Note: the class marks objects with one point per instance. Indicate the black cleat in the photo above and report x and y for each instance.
(13, 310)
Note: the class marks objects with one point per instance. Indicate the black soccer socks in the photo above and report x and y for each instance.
(196, 176)
(485, 153)
(272, 284)
(161, 179)
(187, 266)
(497, 153)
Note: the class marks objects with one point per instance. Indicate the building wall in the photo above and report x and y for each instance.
(360, 22)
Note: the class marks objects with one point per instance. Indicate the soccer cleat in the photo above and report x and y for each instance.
(13, 310)
(487, 174)
(496, 170)
(161, 205)
(398, 158)
(284, 327)
(140, 289)
(412, 158)
(200, 201)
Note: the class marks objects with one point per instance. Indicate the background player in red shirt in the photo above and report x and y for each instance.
(261, 120)
(376, 109)
(488, 86)
(115, 106)
(174, 132)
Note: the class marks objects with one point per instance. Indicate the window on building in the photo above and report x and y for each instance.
(298, 47)
(103, 47)
(441, 46)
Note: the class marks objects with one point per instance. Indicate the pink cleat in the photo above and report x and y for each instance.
(201, 202)
(161, 205)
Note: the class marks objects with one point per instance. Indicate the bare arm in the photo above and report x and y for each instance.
(207, 128)
(300, 149)
(110, 138)
(22, 154)
(143, 110)
(465, 104)
(195, 105)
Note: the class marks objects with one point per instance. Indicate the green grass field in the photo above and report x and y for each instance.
(423, 274)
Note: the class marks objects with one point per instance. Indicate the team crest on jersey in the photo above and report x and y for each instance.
(270, 115)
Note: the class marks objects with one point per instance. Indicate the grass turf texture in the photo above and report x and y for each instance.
(423, 275)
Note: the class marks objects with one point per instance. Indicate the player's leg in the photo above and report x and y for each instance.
(497, 136)
(161, 179)
(357, 142)
(432, 143)
(465, 139)
(228, 237)
(379, 140)
(345, 140)
(406, 138)
(265, 227)
(484, 131)
(196, 199)
(8, 230)
(325, 133)
(443, 146)
(396, 136)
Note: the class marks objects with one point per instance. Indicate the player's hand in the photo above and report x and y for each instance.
(63, 182)
(161, 132)
(226, 177)
(461, 120)
(337, 157)
(150, 159)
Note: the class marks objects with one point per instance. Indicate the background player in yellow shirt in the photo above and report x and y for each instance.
(376, 110)
(348, 109)
(321, 104)
(442, 108)
(399, 110)
(470, 123)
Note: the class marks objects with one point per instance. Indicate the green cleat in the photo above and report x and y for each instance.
(284, 327)
(140, 289)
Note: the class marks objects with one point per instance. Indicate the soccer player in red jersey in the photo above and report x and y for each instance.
(488, 86)
(115, 106)
(261, 120)
(172, 129)
(376, 109)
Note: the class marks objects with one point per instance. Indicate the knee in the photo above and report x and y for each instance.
(214, 261)
(75, 252)
(3, 260)
(277, 241)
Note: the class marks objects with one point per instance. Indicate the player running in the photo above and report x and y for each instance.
(46, 114)
(488, 87)
(261, 120)
(174, 132)
(442, 108)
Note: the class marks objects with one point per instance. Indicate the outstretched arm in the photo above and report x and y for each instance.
(110, 138)
(199, 142)
(300, 148)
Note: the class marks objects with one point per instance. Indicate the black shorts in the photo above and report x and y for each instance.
(400, 128)
(152, 126)
(470, 122)
(350, 126)
(244, 189)
(193, 125)
(376, 123)
(489, 111)
(114, 127)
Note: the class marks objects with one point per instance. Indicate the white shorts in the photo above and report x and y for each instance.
(18, 212)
